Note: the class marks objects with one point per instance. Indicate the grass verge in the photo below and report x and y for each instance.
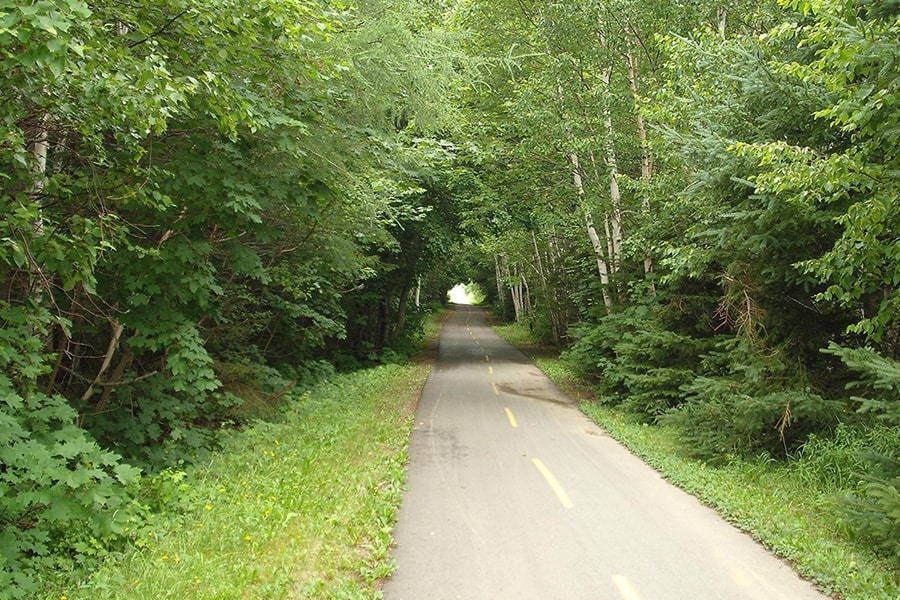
(777, 503)
(299, 506)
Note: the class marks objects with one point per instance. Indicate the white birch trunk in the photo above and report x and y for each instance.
(40, 146)
(515, 290)
(526, 298)
(596, 244)
(551, 296)
(538, 261)
(609, 238)
(509, 279)
(615, 196)
(646, 155)
(499, 279)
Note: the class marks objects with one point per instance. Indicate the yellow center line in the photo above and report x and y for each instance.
(512, 418)
(487, 358)
(491, 370)
(554, 484)
(496, 389)
(625, 588)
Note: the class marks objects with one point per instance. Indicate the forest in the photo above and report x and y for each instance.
(209, 204)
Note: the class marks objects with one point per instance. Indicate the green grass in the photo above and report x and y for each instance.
(301, 506)
(782, 505)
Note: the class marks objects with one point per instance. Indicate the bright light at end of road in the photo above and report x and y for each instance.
(460, 294)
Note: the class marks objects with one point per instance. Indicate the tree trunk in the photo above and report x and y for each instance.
(561, 293)
(418, 291)
(117, 329)
(401, 313)
(550, 295)
(40, 145)
(614, 250)
(539, 262)
(597, 245)
(512, 280)
(646, 155)
(515, 290)
(501, 292)
(612, 164)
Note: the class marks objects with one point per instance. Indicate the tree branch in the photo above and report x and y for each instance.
(159, 31)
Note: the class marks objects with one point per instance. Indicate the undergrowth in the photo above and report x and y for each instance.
(299, 505)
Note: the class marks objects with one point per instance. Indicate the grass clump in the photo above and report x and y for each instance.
(300, 506)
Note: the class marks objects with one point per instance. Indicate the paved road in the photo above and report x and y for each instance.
(514, 494)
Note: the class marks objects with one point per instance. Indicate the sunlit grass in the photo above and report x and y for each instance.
(778, 503)
(301, 507)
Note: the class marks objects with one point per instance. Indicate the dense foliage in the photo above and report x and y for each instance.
(698, 200)
(194, 194)
(206, 203)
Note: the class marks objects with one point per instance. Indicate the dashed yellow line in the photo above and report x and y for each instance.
(512, 418)
(487, 358)
(491, 370)
(496, 389)
(554, 483)
(625, 588)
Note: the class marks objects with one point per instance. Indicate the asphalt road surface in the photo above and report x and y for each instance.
(514, 494)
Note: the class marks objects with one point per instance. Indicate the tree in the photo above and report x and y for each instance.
(187, 198)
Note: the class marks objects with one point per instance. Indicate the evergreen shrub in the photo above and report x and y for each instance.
(720, 420)
(753, 400)
(637, 361)
(873, 509)
(655, 366)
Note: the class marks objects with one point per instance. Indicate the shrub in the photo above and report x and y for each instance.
(62, 497)
(720, 419)
(655, 366)
(873, 510)
(641, 364)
